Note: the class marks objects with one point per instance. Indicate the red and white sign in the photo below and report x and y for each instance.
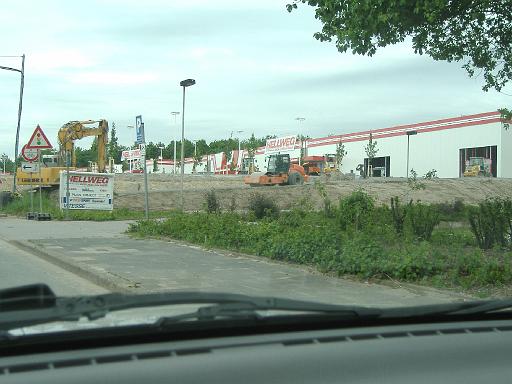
(29, 154)
(280, 144)
(87, 190)
(133, 154)
(38, 140)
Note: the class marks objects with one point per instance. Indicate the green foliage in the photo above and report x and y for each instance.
(432, 174)
(454, 211)
(307, 237)
(413, 182)
(328, 207)
(113, 145)
(232, 204)
(212, 204)
(491, 223)
(371, 150)
(340, 154)
(398, 213)
(262, 206)
(423, 219)
(355, 211)
(477, 32)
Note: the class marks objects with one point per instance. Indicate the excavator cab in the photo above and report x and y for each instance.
(278, 164)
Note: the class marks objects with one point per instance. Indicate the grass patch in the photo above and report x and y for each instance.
(20, 205)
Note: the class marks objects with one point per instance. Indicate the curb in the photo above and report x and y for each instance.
(112, 283)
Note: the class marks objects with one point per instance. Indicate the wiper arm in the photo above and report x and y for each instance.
(14, 314)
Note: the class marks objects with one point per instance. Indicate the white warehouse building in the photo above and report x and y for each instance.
(448, 146)
(445, 145)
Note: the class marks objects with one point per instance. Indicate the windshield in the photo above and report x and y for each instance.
(138, 139)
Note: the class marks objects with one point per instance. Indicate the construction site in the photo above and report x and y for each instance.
(461, 158)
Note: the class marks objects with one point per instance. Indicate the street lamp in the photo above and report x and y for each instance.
(238, 138)
(409, 134)
(4, 159)
(174, 162)
(184, 83)
(20, 105)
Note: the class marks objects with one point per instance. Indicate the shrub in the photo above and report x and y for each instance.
(413, 182)
(328, 208)
(261, 206)
(398, 213)
(491, 223)
(355, 210)
(232, 204)
(423, 219)
(212, 203)
(454, 211)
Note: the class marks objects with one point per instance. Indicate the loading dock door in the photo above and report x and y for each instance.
(381, 166)
(489, 154)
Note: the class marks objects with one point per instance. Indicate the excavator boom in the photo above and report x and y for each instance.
(75, 130)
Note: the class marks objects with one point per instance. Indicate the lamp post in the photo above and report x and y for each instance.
(409, 134)
(4, 159)
(20, 106)
(130, 161)
(238, 138)
(184, 83)
(174, 160)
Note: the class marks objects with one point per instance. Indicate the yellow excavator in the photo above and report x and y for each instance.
(52, 164)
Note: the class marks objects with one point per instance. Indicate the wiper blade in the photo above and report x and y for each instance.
(449, 309)
(95, 307)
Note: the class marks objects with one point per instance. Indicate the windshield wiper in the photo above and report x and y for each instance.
(37, 304)
(19, 308)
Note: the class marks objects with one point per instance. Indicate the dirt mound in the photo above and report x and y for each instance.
(165, 190)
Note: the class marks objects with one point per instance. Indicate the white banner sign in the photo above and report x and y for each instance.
(87, 190)
(133, 154)
(280, 144)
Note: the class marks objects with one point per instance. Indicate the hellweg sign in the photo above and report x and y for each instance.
(87, 191)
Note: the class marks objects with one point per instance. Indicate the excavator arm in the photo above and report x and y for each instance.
(76, 130)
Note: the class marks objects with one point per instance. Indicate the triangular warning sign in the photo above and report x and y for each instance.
(38, 140)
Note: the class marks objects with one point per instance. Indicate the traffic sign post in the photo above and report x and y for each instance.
(30, 167)
(38, 141)
(29, 154)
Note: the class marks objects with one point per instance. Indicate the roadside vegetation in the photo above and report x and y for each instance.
(19, 205)
(445, 245)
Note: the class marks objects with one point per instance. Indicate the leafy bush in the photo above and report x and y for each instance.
(261, 206)
(232, 204)
(453, 211)
(432, 174)
(423, 219)
(491, 223)
(212, 204)
(355, 210)
(413, 182)
(328, 208)
(398, 214)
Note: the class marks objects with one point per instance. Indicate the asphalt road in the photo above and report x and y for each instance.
(18, 267)
(102, 251)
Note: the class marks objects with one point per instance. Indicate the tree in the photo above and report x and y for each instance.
(476, 32)
(340, 154)
(252, 144)
(113, 145)
(370, 150)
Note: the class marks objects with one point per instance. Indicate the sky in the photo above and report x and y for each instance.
(257, 69)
